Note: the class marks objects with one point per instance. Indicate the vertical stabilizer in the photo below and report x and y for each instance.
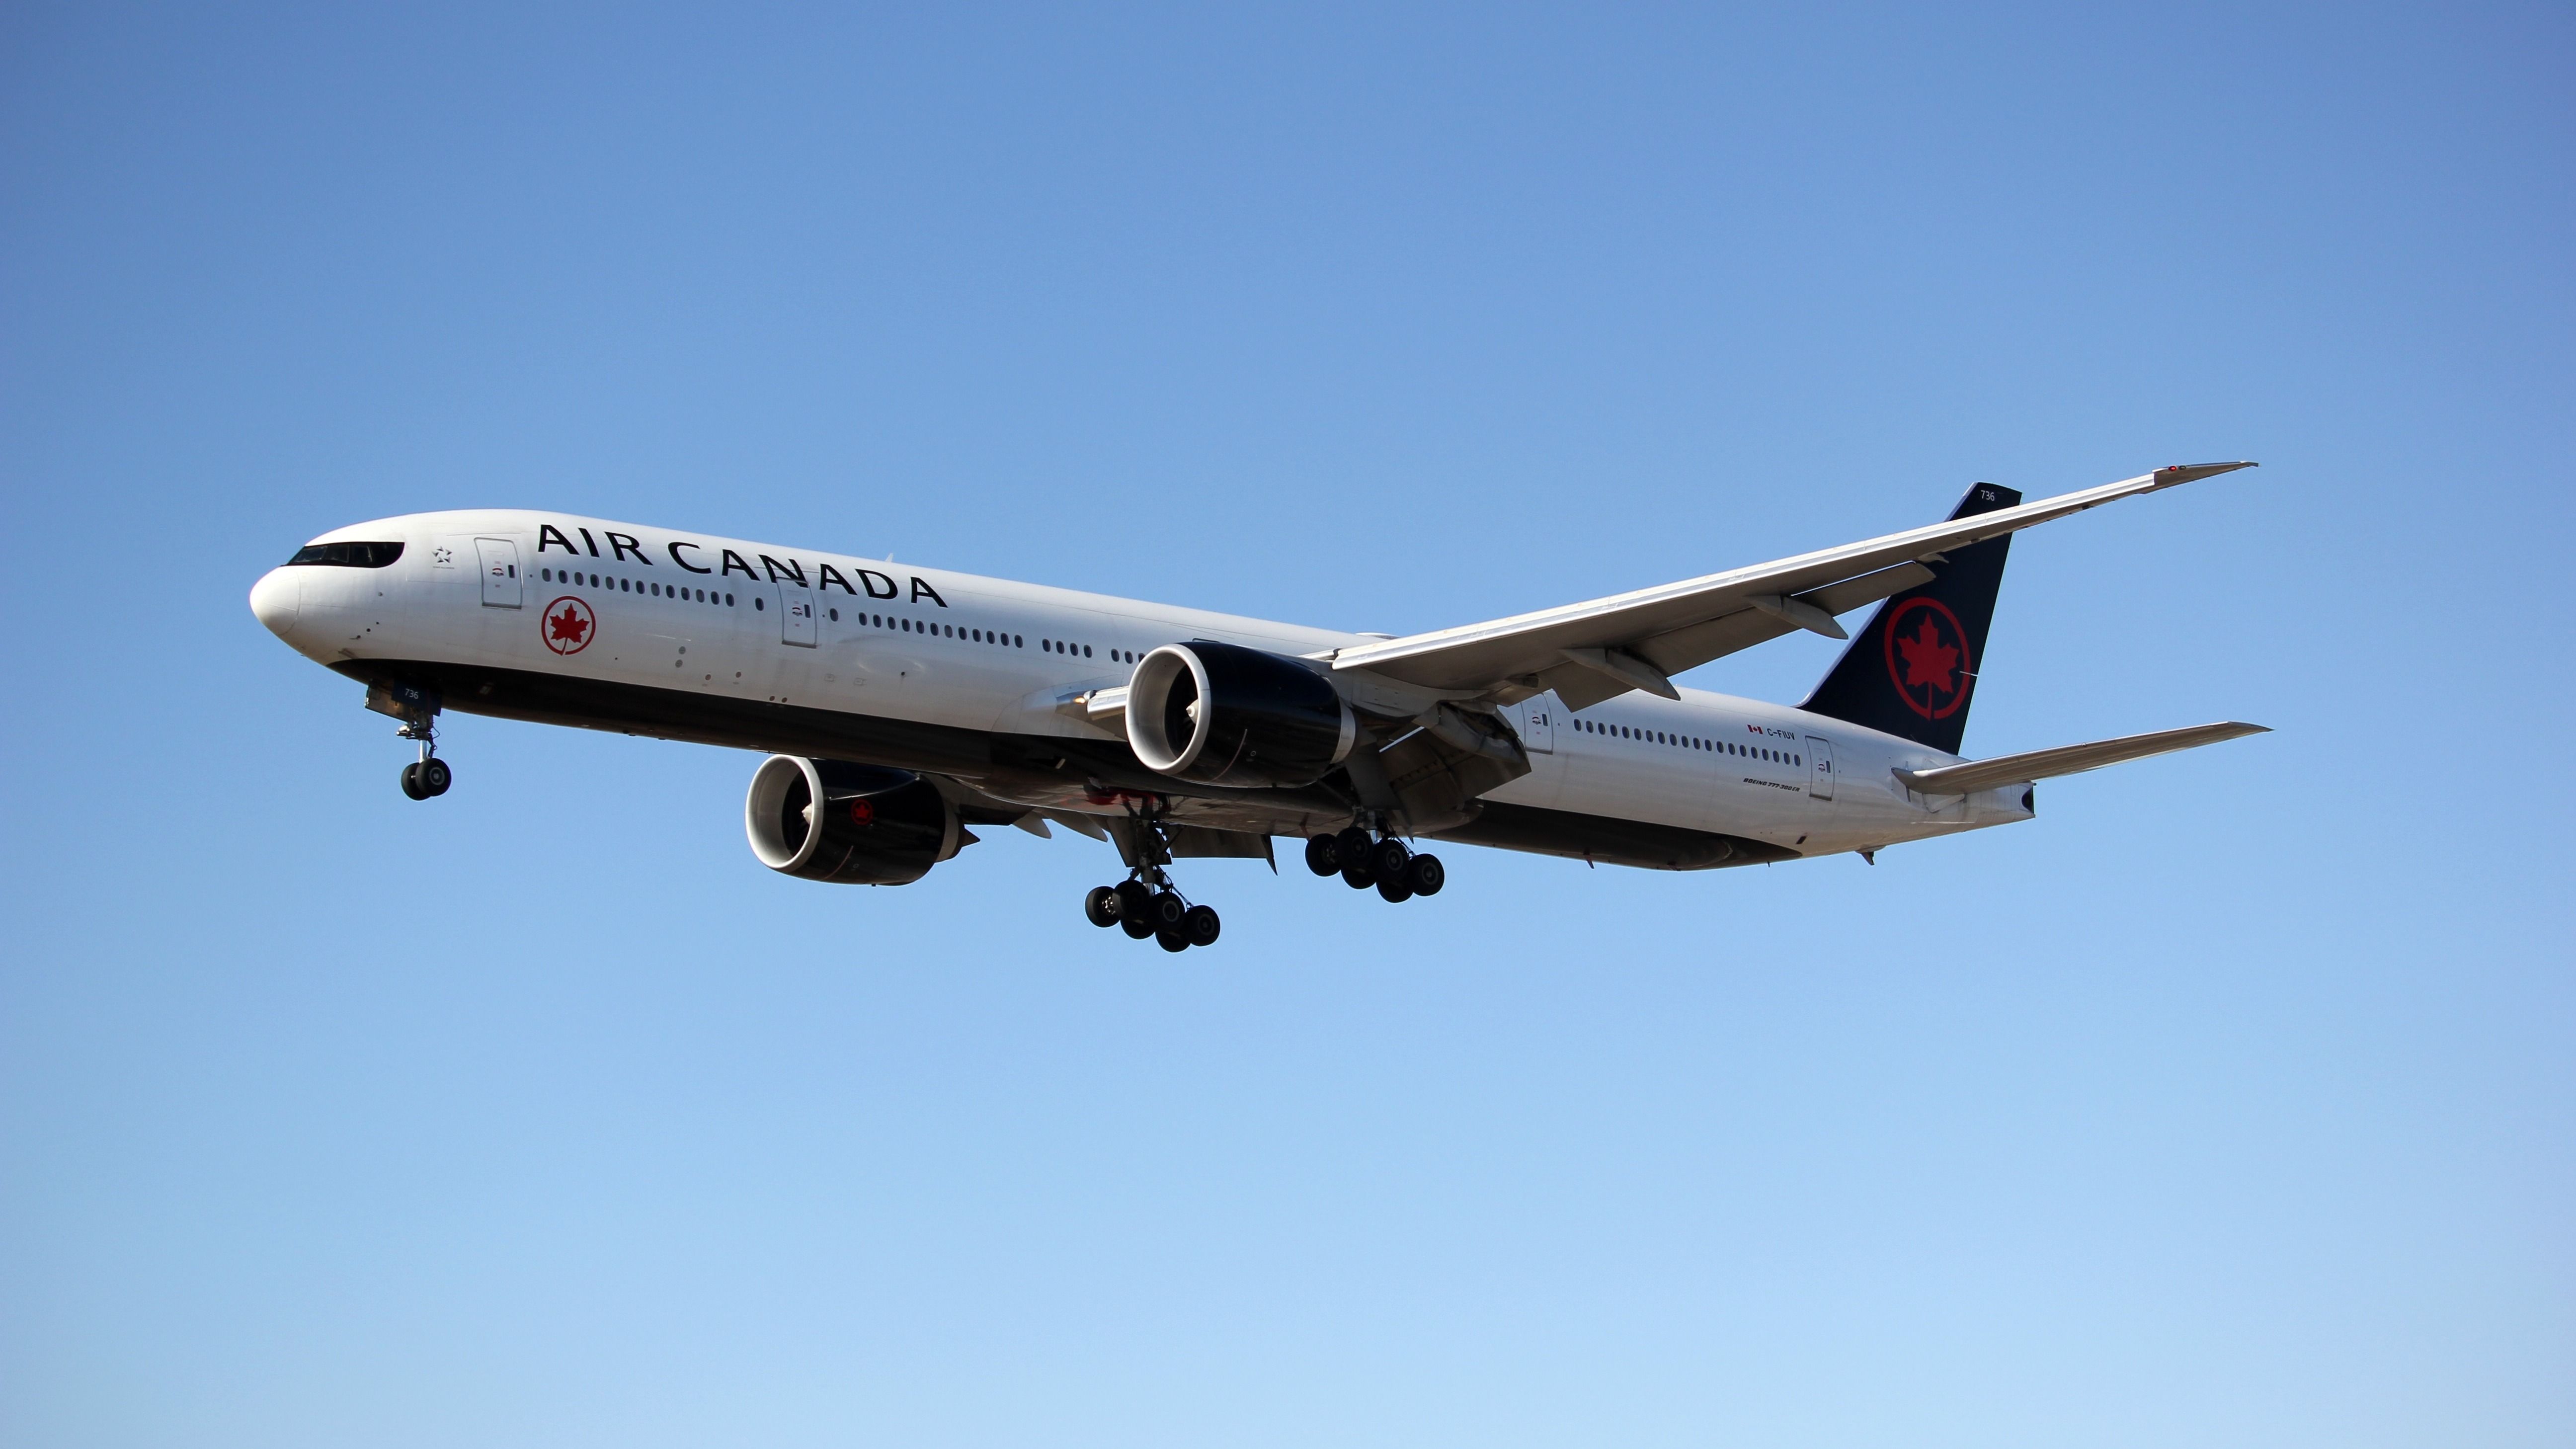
(1911, 671)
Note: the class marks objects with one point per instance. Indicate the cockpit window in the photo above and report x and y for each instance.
(348, 555)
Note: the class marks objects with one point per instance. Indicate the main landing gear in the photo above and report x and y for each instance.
(1363, 860)
(1147, 904)
(428, 775)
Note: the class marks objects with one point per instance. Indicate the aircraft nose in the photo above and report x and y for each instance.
(276, 599)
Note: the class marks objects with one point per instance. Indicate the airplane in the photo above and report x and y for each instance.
(901, 706)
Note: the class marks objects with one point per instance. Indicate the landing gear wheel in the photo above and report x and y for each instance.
(1426, 875)
(435, 777)
(1200, 925)
(1388, 859)
(1395, 888)
(411, 781)
(1135, 898)
(1356, 876)
(1172, 941)
(1166, 911)
(1323, 855)
(1353, 845)
(1136, 927)
(1101, 906)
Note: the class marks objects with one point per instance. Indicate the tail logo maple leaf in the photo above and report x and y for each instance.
(568, 625)
(1927, 658)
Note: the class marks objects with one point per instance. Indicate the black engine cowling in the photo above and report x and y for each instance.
(1221, 714)
(851, 824)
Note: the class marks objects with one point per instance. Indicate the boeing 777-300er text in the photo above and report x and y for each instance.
(901, 706)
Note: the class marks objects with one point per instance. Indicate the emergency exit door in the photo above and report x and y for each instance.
(796, 614)
(1820, 768)
(499, 558)
(1538, 725)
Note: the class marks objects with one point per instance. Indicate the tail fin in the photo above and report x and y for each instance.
(1911, 671)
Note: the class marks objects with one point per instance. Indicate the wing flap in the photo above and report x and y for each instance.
(1974, 775)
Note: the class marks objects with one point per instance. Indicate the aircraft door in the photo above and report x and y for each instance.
(1538, 724)
(1820, 768)
(499, 558)
(796, 614)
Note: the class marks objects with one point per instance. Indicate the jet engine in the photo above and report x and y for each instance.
(850, 824)
(1221, 714)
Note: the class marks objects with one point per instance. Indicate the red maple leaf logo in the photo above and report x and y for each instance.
(568, 625)
(1927, 659)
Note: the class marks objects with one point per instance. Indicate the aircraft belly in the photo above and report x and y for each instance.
(1616, 784)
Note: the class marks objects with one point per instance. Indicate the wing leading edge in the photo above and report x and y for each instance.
(1592, 651)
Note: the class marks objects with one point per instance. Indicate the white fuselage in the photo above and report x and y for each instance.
(580, 602)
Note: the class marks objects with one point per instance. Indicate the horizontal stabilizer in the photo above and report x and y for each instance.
(1975, 775)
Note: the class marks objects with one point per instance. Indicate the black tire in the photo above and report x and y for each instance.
(1201, 926)
(1352, 847)
(1426, 875)
(1323, 855)
(1357, 877)
(1166, 911)
(1135, 899)
(411, 781)
(1394, 888)
(435, 777)
(1388, 860)
(1172, 941)
(1136, 927)
(1101, 906)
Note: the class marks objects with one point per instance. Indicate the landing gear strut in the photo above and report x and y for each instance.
(417, 707)
(1147, 904)
(429, 775)
(1363, 860)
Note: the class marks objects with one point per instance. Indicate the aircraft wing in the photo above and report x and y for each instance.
(1975, 775)
(1592, 651)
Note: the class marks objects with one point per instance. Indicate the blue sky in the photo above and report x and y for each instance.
(2228, 1103)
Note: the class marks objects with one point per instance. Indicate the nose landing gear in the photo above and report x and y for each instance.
(418, 710)
(429, 776)
(1363, 860)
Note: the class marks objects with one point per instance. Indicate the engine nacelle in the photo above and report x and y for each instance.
(852, 824)
(1221, 714)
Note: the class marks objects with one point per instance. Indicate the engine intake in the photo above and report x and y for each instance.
(850, 824)
(1221, 714)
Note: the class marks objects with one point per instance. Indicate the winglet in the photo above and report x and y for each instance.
(2167, 477)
